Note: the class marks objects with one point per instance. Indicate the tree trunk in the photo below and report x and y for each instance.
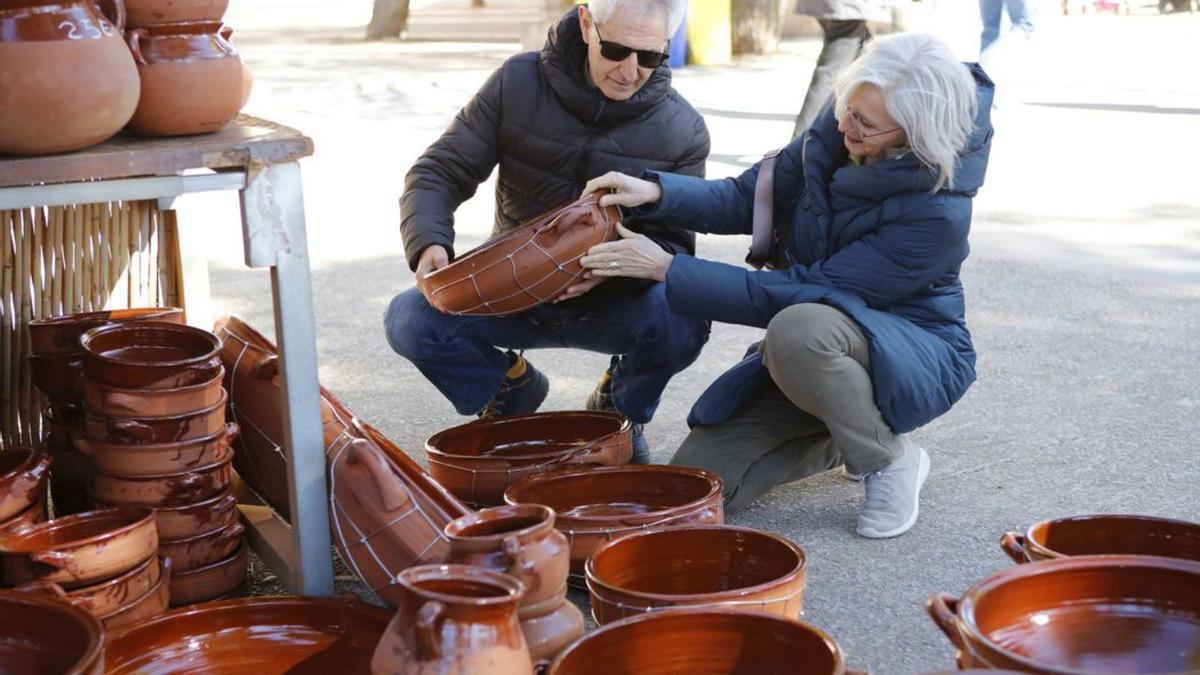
(390, 19)
(757, 26)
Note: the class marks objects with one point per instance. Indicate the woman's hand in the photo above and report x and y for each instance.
(634, 255)
(627, 190)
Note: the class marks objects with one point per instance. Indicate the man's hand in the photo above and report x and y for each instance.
(432, 258)
(627, 190)
(633, 255)
(575, 290)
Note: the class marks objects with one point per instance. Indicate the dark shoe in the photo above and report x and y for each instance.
(522, 392)
(601, 399)
(641, 449)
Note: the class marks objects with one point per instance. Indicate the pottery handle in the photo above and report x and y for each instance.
(55, 559)
(118, 13)
(135, 37)
(226, 32)
(267, 369)
(232, 532)
(232, 430)
(942, 608)
(45, 587)
(1014, 545)
(516, 562)
(429, 628)
(139, 431)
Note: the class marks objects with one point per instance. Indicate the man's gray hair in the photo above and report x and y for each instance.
(672, 10)
(928, 91)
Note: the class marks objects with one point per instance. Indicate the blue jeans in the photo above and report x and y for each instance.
(459, 354)
(1020, 15)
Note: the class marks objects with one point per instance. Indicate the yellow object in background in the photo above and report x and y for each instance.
(709, 32)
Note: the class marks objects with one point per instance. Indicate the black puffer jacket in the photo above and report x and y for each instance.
(550, 131)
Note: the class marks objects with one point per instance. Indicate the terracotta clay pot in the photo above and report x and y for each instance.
(525, 266)
(106, 597)
(1089, 614)
(193, 426)
(1104, 534)
(204, 549)
(163, 458)
(191, 79)
(598, 504)
(150, 355)
(154, 602)
(261, 635)
(164, 490)
(59, 335)
(203, 517)
(81, 549)
(24, 473)
(454, 618)
(40, 634)
(71, 479)
(120, 402)
(210, 581)
(700, 566)
(69, 80)
(477, 461)
(149, 12)
(702, 642)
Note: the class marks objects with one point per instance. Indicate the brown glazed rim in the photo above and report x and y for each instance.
(95, 629)
(138, 516)
(411, 577)
(103, 315)
(32, 456)
(839, 660)
(161, 476)
(791, 575)
(117, 580)
(432, 448)
(566, 473)
(151, 419)
(510, 511)
(239, 552)
(156, 393)
(162, 326)
(152, 447)
(236, 528)
(1034, 544)
(221, 499)
(164, 578)
(966, 604)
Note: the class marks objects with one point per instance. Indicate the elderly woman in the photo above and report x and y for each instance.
(865, 335)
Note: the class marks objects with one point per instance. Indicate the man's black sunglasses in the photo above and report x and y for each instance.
(646, 58)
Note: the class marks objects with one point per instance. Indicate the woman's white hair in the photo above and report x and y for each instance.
(672, 10)
(929, 93)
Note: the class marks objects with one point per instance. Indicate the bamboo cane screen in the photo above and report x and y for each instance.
(66, 259)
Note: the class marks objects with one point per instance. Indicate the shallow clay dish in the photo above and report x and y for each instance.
(203, 517)
(703, 642)
(120, 402)
(106, 597)
(174, 489)
(1089, 614)
(209, 582)
(60, 334)
(156, 430)
(150, 355)
(24, 473)
(595, 505)
(154, 602)
(203, 549)
(41, 634)
(477, 461)
(264, 636)
(36, 513)
(157, 459)
(81, 549)
(1104, 534)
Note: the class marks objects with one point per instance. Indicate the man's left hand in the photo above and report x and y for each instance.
(573, 291)
(634, 255)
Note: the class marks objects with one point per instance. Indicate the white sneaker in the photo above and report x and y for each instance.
(893, 495)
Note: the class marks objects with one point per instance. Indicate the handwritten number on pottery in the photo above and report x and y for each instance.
(72, 30)
(92, 31)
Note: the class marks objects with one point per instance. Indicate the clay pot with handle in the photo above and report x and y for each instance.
(1104, 535)
(24, 473)
(69, 81)
(105, 597)
(80, 549)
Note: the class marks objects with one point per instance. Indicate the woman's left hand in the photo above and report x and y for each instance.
(634, 255)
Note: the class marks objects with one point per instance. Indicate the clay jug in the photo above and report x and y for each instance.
(454, 620)
(192, 78)
(69, 81)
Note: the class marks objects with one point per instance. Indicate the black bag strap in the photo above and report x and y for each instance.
(762, 230)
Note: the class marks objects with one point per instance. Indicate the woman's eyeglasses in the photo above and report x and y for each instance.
(860, 125)
(615, 51)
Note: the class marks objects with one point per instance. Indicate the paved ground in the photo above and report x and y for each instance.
(1083, 286)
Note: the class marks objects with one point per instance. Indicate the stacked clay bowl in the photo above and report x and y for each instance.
(24, 474)
(521, 541)
(479, 460)
(156, 430)
(1104, 534)
(103, 562)
(58, 372)
(1090, 614)
(594, 505)
(702, 642)
(265, 636)
(696, 566)
(45, 635)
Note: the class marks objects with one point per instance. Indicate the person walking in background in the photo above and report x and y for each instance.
(844, 25)
(1020, 15)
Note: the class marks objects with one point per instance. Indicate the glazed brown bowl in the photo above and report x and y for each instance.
(121, 402)
(210, 581)
(193, 426)
(60, 378)
(1104, 534)
(702, 642)
(298, 636)
(1089, 614)
(696, 566)
(594, 505)
(164, 490)
(60, 334)
(150, 355)
(40, 634)
(150, 604)
(203, 517)
(120, 459)
(24, 473)
(203, 549)
(81, 549)
(149, 12)
(106, 597)
(477, 461)
(36, 513)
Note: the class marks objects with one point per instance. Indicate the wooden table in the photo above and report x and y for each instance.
(259, 159)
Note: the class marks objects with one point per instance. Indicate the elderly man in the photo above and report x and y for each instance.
(596, 98)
